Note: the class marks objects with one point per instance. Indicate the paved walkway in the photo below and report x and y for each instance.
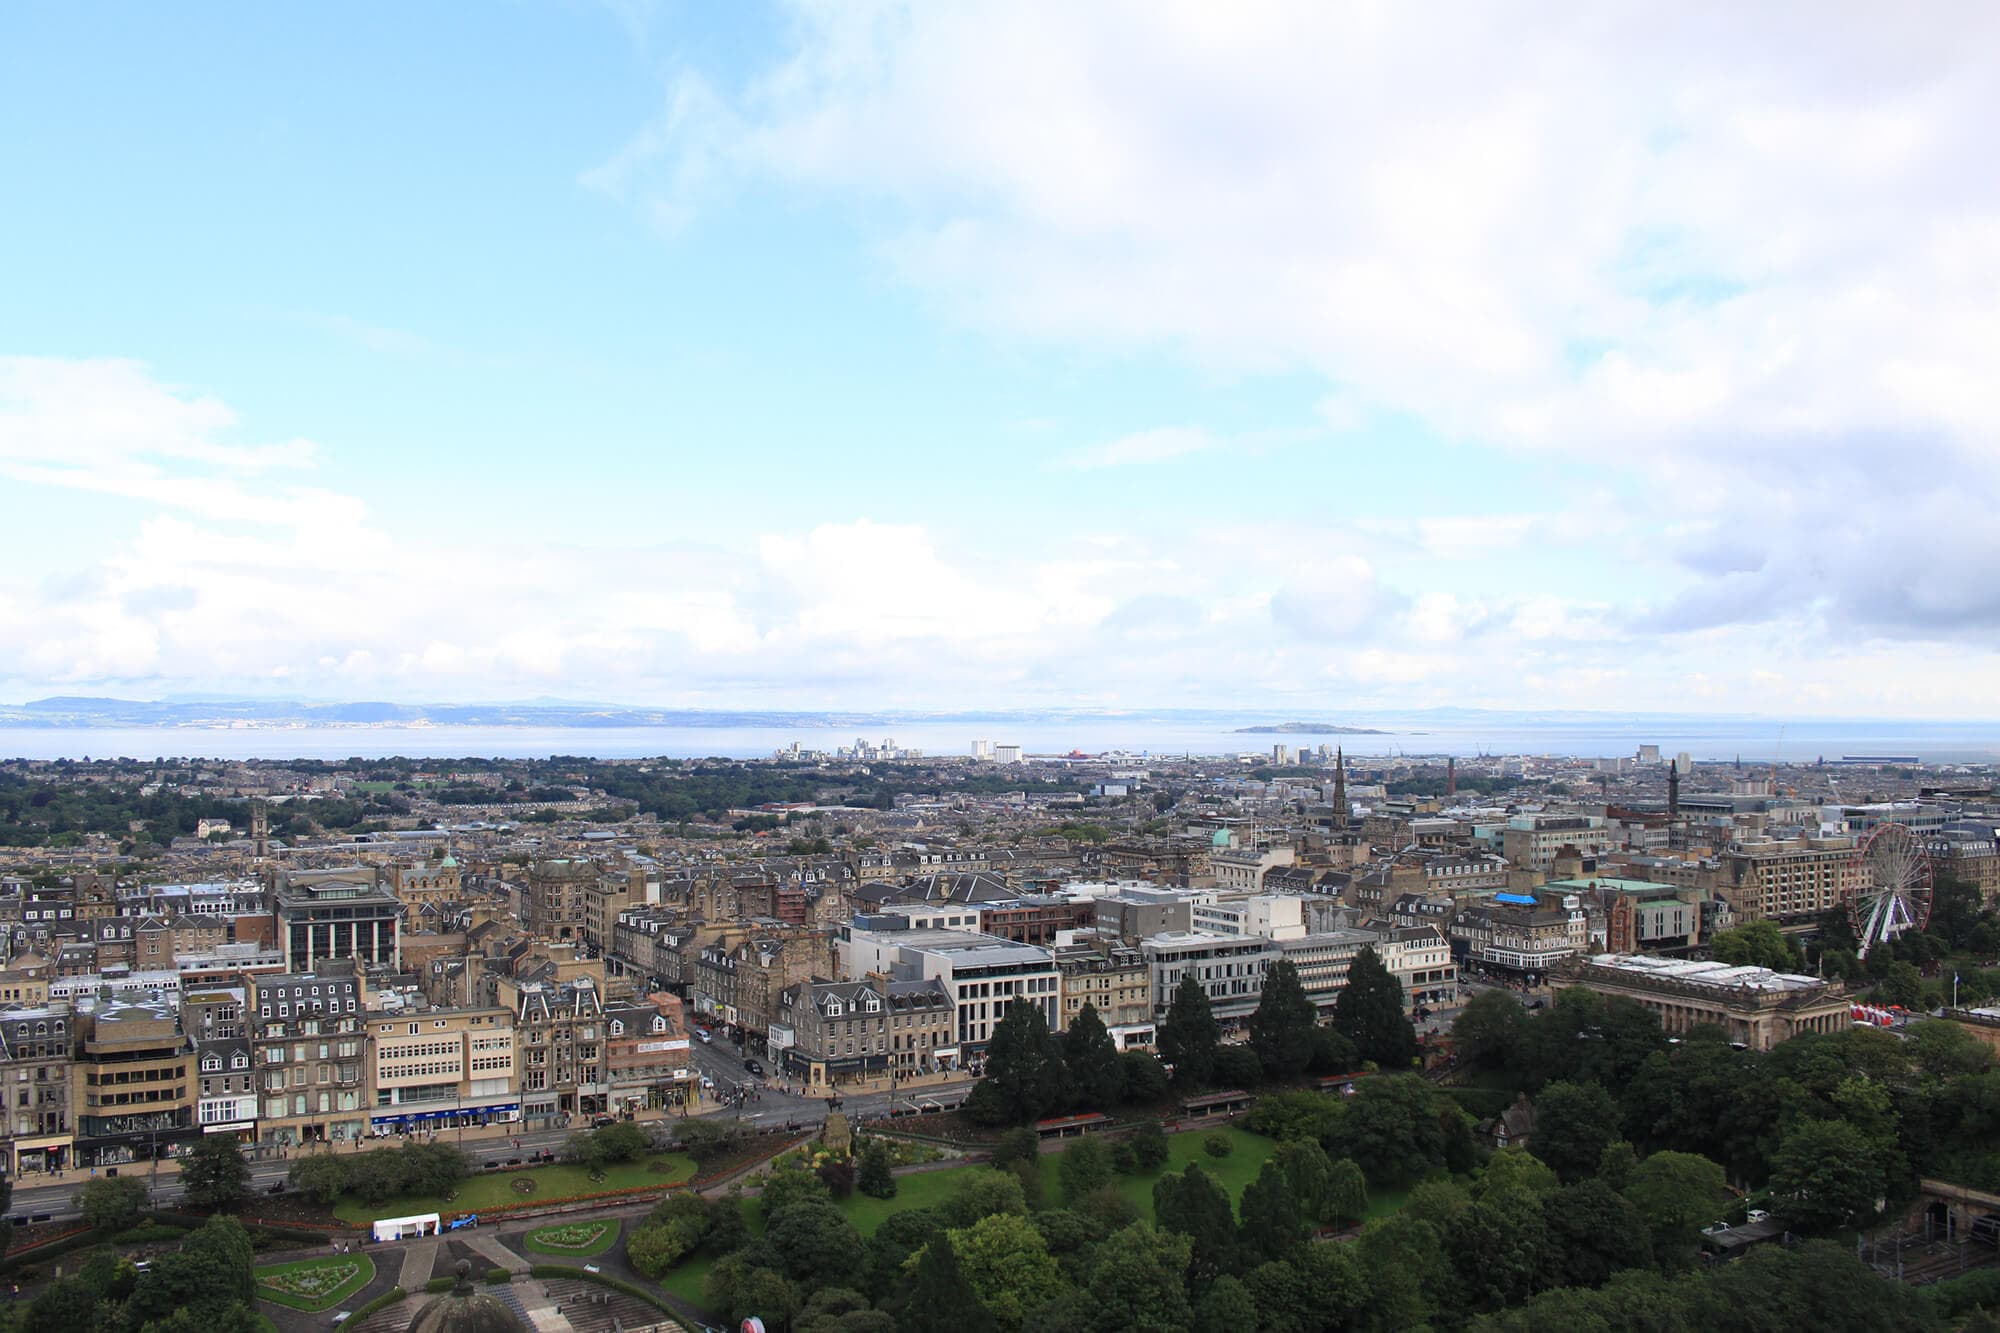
(418, 1261)
(489, 1245)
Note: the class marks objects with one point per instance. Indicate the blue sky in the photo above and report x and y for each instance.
(984, 355)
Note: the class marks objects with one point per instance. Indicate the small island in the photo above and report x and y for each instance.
(1308, 729)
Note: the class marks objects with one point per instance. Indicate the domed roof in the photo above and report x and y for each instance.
(466, 1310)
(450, 862)
(1220, 838)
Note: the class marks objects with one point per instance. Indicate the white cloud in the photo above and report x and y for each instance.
(1747, 261)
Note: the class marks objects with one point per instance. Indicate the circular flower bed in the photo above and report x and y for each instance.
(524, 1185)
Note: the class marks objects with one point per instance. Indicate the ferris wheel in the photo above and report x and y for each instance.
(1890, 890)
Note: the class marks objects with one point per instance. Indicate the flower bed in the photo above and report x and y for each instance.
(576, 1240)
(315, 1284)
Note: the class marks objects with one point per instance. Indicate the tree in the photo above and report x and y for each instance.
(1189, 1037)
(1346, 1192)
(890, 1249)
(1145, 1077)
(1281, 1028)
(1150, 1146)
(1487, 1032)
(1090, 1057)
(1947, 1050)
(982, 1195)
(320, 1176)
(1024, 1070)
(1295, 1115)
(1574, 1124)
(67, 1306)
(1137, 1279)
(111, 1203)
(1369, 1013)
(1236, 1067)
(214, 1175)
(1677, 1193)
(1008, 1266)
(789, 1185)
(1515, 1168)
(1404, 1259)
(1904, 985)
(620, 1142)
(1500, 1249)
(876, 1178)
(1227, 1305)
(1399, 1129)
(941, 1297)
(1273, 1224)
(1085, 1166)
(1192, 1204)
(1827, 1174)
(816, 1245)
(1593, 1232)
(1310, 1172)
(1756, 944)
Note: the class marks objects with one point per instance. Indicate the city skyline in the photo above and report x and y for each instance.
(1003, 357)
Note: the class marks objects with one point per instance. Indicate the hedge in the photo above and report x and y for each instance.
(441, 1284)
(498, 1277)
(605, 1280)
(49, 1249)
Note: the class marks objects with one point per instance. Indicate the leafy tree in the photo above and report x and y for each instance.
(654, 1249)
(1756, 944)
(1137, 1279)
(1190, 1036)
(1947, 1050)
(1090, 1057)
(876, 1177)
(710, 1140)
(66, 1306)
(214, 1175)
(1487, 1031)
(790, 1185)
(1145, 1077)
(1226, 1305)
(1310, 1173)
(1281, 1028)
(1904, 985)
(1085, 1166)
(941, 1295)
(1109, 1209)
(1515, 1168)
(816, 1245)
(1677, 1194)
(1273, 1223)
(1574, 1124)
(1194, 1205)
(1024, 1070)
(1500, 1249)
(899, 1237)
(1585, 1036)
(1236, 1067)
(1403, 1256)
(1332, 1053)
(111, 1203)
(211, 1272)
(827, 1310)
(982, 1195)
(1021, 1144)
(1817, 1285)
(620, 1142)
(1008, 1266)
(1347, 1192)
(320, 1176)
(1369, 1013)
(1150, 1146)
(1593, 1232)
(1294, 1115)
(1072, 1238)
(1401, 1129)
(1827, 1174)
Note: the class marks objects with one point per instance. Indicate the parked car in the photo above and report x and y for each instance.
(1757, 1215)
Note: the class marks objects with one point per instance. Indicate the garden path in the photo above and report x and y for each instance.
(418, 1261)
(489, 1245)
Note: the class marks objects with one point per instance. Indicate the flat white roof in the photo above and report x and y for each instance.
(1700, 973)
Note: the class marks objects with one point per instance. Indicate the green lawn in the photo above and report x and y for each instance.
(573, 1240)
(493, 1189)
(315, 1284)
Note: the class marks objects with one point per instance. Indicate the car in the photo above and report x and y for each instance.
(753, 1066)
(602, 1121)
(1715, 1229)
(706, 1039)
(1757, 1215)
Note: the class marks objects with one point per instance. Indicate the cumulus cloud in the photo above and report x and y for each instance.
(1745, 260)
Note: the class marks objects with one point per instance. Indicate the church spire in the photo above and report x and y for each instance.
(1339, 787)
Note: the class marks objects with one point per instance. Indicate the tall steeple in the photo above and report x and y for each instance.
(1339, 787)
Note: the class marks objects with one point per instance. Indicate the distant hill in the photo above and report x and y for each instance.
(1309, 729)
